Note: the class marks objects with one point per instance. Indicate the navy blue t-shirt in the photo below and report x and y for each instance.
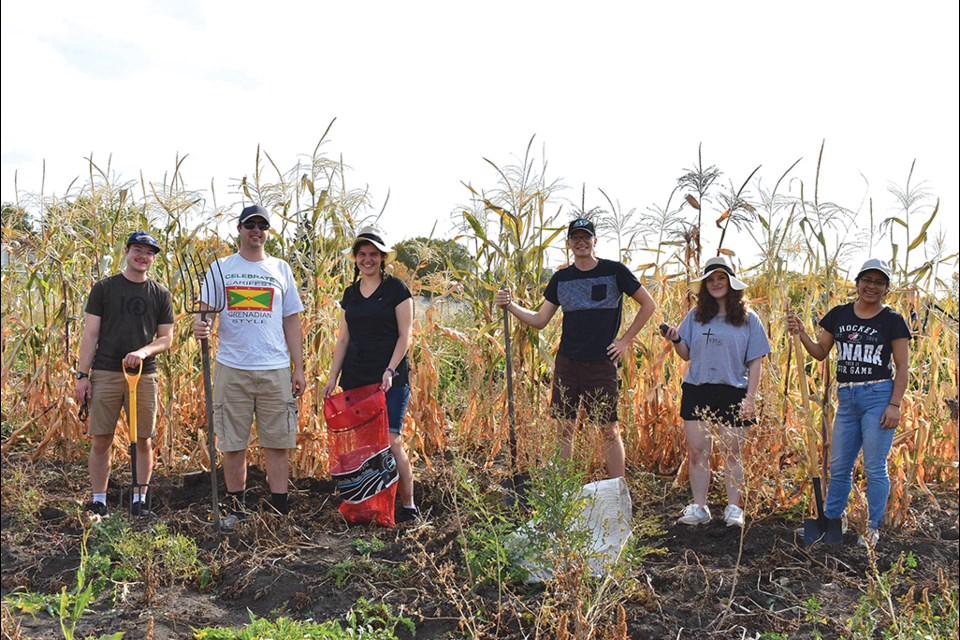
(592, 303)
(372, 323)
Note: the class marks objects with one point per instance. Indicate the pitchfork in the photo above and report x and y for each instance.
(204, 293)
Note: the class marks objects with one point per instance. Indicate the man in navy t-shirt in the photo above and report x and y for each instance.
(590, 292)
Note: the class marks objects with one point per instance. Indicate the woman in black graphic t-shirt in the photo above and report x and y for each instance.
(868, 336)
(375, 335)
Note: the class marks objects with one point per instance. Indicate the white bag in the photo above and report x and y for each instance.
(605, 516)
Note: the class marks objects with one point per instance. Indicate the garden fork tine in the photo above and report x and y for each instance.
(200, 282)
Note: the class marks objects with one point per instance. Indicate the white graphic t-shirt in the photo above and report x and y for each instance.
(257, 297)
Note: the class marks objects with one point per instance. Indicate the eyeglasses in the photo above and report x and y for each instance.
(579, 237)
(263, 226)
(870, 282)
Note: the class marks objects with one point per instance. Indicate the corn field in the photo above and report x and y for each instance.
(511, 222)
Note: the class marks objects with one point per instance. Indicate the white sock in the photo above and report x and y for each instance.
(100, 497)
(137, 497)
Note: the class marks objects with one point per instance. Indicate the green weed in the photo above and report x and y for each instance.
(365, 621)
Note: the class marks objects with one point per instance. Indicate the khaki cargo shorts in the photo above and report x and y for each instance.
(239, 395)
(109, 392)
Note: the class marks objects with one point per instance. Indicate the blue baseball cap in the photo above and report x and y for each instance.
(142, 237)
(582, 224)
(254, 211)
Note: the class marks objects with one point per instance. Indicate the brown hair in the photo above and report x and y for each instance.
(707, 307)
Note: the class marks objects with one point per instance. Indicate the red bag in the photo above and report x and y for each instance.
(362, 464)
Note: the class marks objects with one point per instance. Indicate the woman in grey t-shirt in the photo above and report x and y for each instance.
(725, 344)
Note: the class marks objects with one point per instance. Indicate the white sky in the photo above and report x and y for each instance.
(618, 94)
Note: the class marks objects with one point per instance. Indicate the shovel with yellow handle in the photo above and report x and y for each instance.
(136, 487)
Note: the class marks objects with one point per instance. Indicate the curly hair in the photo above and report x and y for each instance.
(707, 307)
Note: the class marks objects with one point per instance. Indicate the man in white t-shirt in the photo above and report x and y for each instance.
(260, 335)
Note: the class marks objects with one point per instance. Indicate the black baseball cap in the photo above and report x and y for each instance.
(253, 211)
(142, 237)
(582, 224)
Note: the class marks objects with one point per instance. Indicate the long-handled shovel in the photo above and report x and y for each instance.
(204, 284)
(511, 412)
(136, 487)
(821, 528)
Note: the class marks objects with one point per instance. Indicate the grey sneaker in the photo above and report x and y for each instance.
(695, 514)
(870, 538)
(229, 522)
(733, 516)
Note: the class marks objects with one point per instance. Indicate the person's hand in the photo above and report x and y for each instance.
(298, 383)
(503, 298)
(748, 408)
(890, 418)
(669, 333)
(617, 348)
(201, 328)
(330, 388)
(84, 390)
(387, 381)
(794, 325)
(133, 359)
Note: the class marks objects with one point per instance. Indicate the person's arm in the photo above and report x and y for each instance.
(88, 348)
(203, 328)
(292, 334)
(404, 312)
(901, 356)
(160, 344)
(748, 408)
(536, 319)
(679, 346)
(819, 349)
(647, 306)
(339, 353)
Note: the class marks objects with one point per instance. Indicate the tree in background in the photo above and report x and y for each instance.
(427, 256)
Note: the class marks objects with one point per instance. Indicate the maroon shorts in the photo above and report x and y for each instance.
(595, 383)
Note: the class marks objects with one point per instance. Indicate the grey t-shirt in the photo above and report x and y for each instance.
(719, 351)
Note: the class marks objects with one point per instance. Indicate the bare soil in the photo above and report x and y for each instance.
(312, 565)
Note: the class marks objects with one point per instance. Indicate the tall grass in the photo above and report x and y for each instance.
(513, 220)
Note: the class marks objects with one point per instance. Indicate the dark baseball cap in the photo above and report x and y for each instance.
(142, 237)
(253, 211)
(582, 224)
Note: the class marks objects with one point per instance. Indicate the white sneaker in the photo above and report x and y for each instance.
(733, 516)
(870, 538)
(695, 514)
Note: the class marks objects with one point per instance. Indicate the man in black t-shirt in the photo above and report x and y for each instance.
(128, 320)
(590, 291)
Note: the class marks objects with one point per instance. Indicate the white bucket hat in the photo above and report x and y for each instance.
(375, 236)
(719, 262)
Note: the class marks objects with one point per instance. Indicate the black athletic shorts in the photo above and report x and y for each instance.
(596, 383)
(716, 403)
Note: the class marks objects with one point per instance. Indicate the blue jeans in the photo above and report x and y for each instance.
(856, 426)
(397, 400)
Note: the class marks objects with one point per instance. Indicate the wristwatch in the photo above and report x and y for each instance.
(677, 341)
(391, 371)
(81, 375)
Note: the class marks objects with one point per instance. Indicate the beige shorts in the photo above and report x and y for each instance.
(109, 392)
(241, 394)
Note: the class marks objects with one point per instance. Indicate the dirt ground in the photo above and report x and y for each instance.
(312, 565)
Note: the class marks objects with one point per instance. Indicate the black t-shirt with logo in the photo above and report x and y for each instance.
(592, 302)
(130, 313)
(372, 323)
(864, 345)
